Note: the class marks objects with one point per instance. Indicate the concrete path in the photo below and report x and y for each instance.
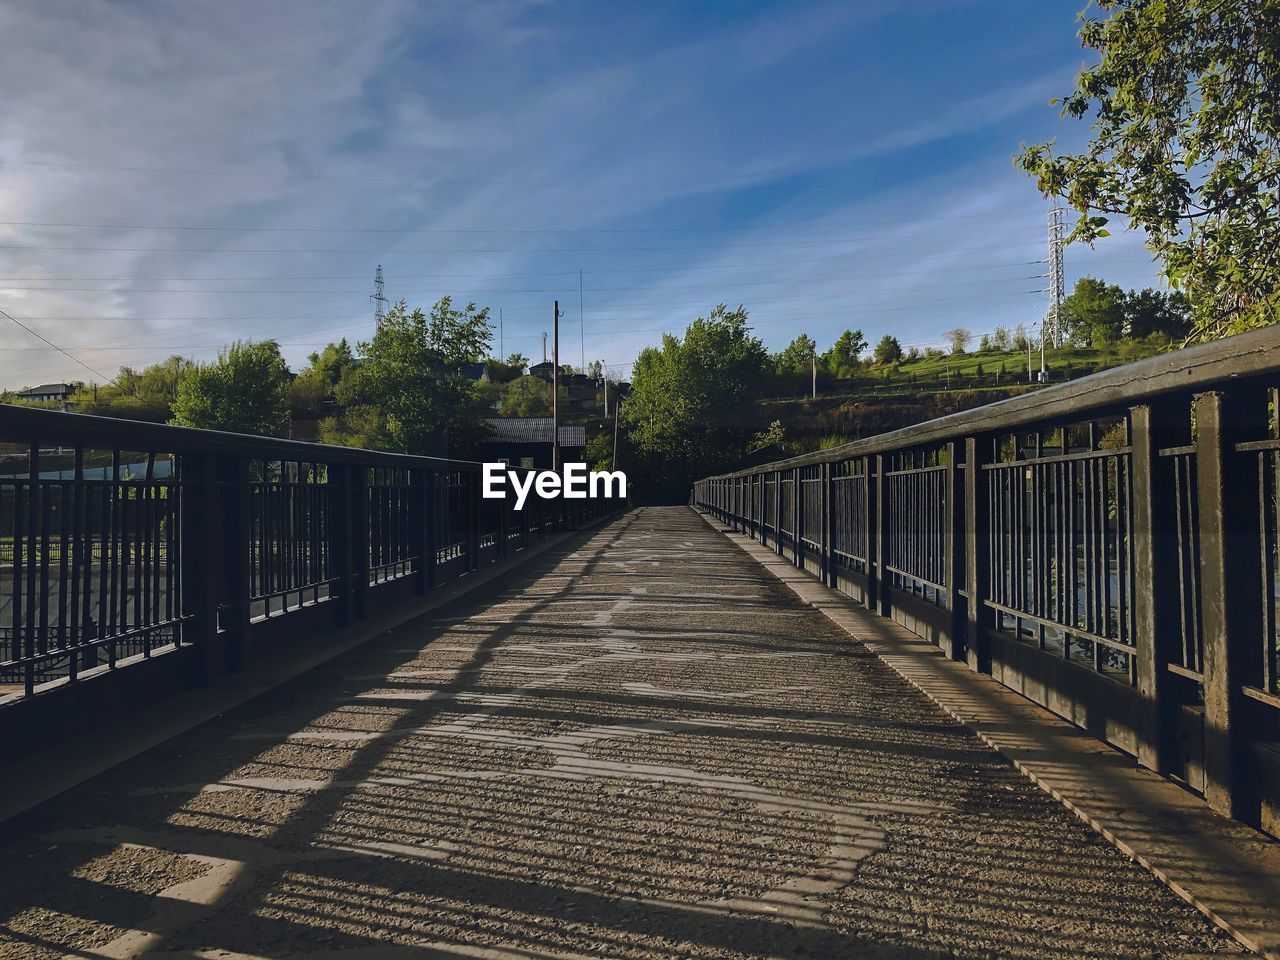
(639, 747)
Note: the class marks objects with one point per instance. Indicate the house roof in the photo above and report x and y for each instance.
(46, 389)
(534, 430)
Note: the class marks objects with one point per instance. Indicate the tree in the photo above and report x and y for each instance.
(690, 400)
(1094, 313)
(984, 344)
(530, 397)
(243, 391)
(1021, 342)
(798, 355)
(1001, 341)
(318, 382)
(1185, 145)
(844, 356)
(888, 350)
(137, 395)
(958, 339)
(595, 370)
(415, 370)
(1153, 312)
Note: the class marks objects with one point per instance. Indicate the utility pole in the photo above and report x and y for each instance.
(1030, 378)
(1042, 367)
(379, 300)
(582, 324)
(814, 360)
(617, 414)
(502, 350)
(544, 346)
(555, 391)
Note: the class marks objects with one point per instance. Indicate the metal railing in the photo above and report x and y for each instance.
(122, 540)
(1109, 547)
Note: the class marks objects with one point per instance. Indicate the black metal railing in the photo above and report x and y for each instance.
(120, 540)
(1109, 547)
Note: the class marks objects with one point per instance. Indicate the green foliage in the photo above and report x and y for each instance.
(772, 436)
(888, 350)
(414, 371)
(530, 397)
(958, 338)
(137, 395)
(1186, 145)
(505, 371)
(797, 357)
(599, 450)
(843, 358)
(1093, 314)
(1156, 313)
(359, 426)
(689, 396)
(319, 382)
(243, 391)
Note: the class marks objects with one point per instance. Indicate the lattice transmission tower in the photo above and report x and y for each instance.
(379, 300)
(1057, 282)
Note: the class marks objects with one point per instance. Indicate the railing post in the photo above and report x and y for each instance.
(200, 558)
(500, 544)
(777, 512)
(878, 517)
(473, 521)
(828, 528)
(977, 644)
(1155, 602)
(340, 567)
(237, 524)
(797, 518)
(359, 489)
(954, 562)
(422, 530)
(1231, 602)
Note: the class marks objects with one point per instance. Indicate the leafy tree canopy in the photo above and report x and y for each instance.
(688, 397)
(243, 391)
(1094, 312)
(888, 350)
(415, 371)
(797, 356)
(1185, 144)
(958, 339)
(844, 356)
(530, 397)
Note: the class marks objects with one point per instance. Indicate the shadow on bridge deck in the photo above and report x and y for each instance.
(641, 747)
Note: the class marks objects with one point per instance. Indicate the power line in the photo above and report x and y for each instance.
(843, 274)
(58, 348)
(810, 226)
(680, 267)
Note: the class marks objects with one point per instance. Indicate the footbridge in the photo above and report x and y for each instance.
(952, 692)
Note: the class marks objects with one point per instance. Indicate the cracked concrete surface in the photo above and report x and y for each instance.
(639, 747)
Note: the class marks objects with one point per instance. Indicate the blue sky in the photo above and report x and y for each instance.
(173, 176)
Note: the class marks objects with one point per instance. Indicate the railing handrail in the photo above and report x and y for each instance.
(80, 429)
(1203, 366)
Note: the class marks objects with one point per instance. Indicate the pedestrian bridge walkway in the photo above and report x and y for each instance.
(639, 745)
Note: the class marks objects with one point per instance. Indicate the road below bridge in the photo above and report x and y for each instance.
(640, 746)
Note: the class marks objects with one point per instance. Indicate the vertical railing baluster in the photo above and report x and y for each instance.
(1231, 599)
